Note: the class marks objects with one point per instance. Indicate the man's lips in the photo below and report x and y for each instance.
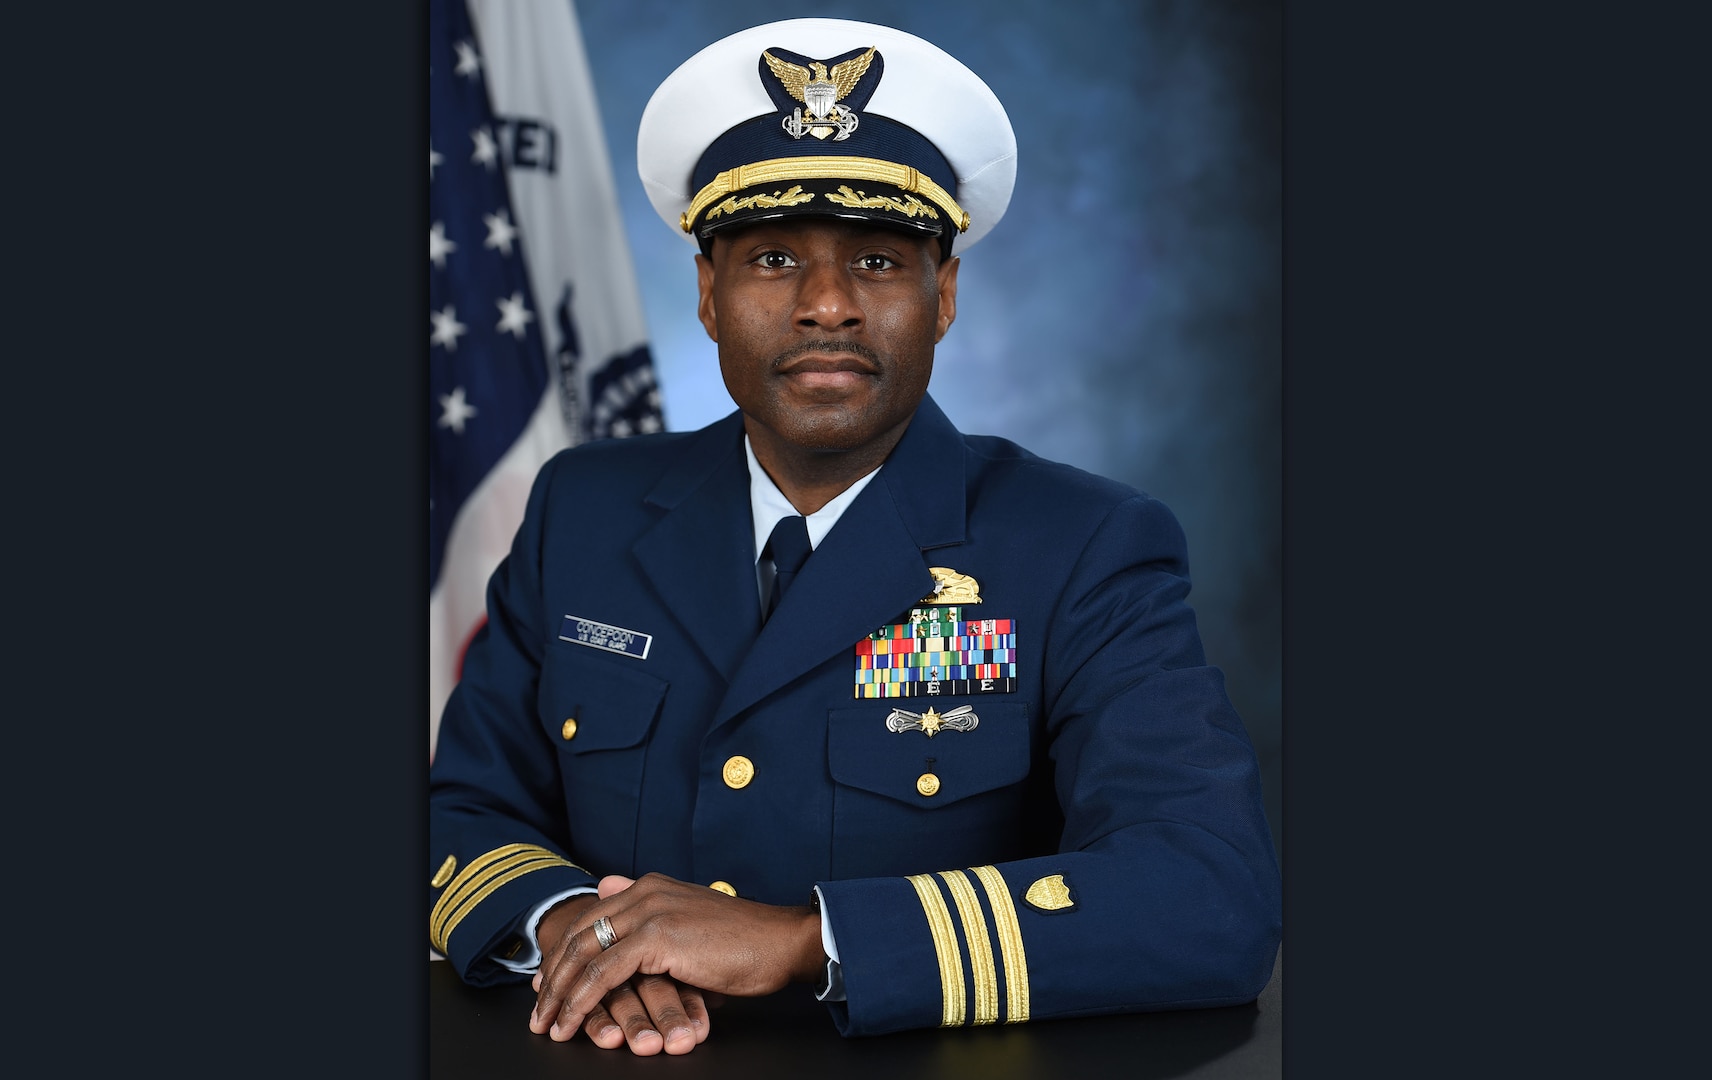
(822, 363)
(827, 372)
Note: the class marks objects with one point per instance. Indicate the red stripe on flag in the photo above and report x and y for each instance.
(458, 667)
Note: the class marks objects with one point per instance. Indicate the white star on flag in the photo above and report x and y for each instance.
(513, 315)
(446, 328)
(500, 231)
(457, 410)
(468, 62)
(438, 246)
(486, 152)
(433, 160)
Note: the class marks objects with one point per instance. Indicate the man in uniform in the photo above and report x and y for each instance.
(828, 691)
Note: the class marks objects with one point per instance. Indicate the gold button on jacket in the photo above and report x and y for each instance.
(927, 783)
(739, 770)
(570, 728)
(725, 887)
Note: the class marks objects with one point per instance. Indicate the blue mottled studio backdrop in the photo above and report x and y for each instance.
(1123, 317)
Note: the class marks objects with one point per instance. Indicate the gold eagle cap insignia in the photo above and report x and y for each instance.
(950, 587)
(843, 77)
(1049, 894)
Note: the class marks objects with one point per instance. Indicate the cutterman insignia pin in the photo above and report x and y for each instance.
(962, 718)
(950, 587)
(1049, 894)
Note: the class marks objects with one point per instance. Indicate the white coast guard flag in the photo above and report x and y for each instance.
(537, 340)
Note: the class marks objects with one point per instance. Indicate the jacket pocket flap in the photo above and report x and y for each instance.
(929, 770)
(612, 706)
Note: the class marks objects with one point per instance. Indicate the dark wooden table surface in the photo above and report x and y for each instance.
(485, 1033)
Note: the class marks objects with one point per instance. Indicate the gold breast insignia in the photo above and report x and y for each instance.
(950, 587)
(1049, 894)
(931, 723)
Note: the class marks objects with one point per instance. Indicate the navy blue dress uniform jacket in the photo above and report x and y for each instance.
(1096, 843)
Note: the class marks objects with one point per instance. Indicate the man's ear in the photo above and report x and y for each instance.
(704, 307)
(947, 273)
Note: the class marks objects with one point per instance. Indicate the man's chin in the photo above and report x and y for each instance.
(827, 429)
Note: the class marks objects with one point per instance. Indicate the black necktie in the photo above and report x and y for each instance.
(788, 547)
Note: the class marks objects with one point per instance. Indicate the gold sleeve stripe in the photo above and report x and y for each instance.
(456, 903)
(484, 865)
(479, 869)
(464, 892)
(480, 878)
(945, 945)
(779, 170)
(986, 978)
(1009, 933)
(452, 923)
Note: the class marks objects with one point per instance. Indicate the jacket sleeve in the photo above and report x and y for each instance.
(497, 835)
(1164, 891)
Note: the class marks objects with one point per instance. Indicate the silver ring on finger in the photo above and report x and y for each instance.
(604, 934)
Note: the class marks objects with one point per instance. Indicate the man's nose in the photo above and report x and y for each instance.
(827, 297)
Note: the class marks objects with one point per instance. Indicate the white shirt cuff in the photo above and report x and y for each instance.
(528, 959)
(834, 989)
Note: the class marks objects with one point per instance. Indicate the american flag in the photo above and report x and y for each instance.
(487, 363)
(514, 140)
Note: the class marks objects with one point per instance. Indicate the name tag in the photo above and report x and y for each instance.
(599, 635)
